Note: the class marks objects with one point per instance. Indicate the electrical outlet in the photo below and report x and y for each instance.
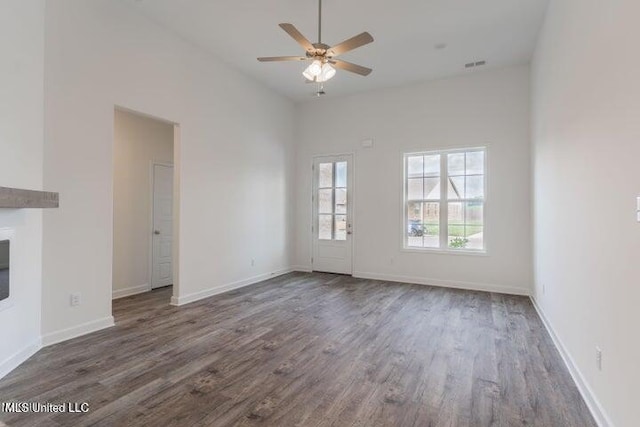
(74, 300)
(391, 261)
(599, 358)
(253, 262)
(544, 289)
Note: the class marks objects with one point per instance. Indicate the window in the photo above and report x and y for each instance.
(444, 198)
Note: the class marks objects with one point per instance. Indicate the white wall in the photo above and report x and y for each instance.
(235, 152)
(21, 131)
(485, 108)
(138, 141)
(586, 141)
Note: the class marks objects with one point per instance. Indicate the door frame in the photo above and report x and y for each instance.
(152, 165)
(353, 203)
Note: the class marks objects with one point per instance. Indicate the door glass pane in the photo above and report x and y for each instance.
(341, 201)
(325, 201)
(432, 165)
(341, 174)
(415, 166)
(341, 227)
(325, 179)
(324, 227)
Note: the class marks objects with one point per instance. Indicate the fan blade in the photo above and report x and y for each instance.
(353, 43)
(297, 36)
(282, 58)
(348, 66)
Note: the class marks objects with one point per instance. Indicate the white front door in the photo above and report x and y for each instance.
(332, 214)
(162, 238)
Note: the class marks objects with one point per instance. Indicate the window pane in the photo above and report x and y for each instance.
(341, 227)
(325, 179)
(414, 224)
(456, 164)
(341, 200)
(466, 225)
(414, 212)
(414, 189)
(475, 238)
(475, 187)
(431, 237)
(414, 166)
(324, 227)
(474, 213)
(431, 225)
(432, 188)
(455, 188)
(431, 213)
(341, 174)
(414, 241)
(456, 213)
(432, 165)
(325, 201)
(475, 163)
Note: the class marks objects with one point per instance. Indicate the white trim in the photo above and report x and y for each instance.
(302, 268)
(598, 412)
(196, 296)
(133, 290)
(12, 362)
(473, 286)
(76, 331)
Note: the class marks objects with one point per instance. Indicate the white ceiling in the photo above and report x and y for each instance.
(502, 32)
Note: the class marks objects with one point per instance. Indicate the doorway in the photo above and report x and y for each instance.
(143, 203)
(332, 214)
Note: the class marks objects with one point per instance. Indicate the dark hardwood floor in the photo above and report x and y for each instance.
(308, 350)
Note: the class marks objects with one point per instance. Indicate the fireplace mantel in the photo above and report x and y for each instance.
(16, 198)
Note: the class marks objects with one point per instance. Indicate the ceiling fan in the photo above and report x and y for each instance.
(323, 57)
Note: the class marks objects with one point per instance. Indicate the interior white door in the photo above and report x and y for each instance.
(332, 214)
(162, 238)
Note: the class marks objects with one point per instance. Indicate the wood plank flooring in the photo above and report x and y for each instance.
(308, 350)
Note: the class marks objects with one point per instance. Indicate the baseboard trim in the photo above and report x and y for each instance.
(196, 296)
(598, 412)
(76, 331)
(302, 268)
(127, 292)
(12, 362)
(485, 287)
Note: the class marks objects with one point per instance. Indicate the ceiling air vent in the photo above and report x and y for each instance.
(475, 64)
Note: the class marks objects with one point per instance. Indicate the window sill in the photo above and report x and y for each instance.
(439, 251)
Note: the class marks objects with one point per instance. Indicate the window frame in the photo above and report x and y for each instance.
(443, 202)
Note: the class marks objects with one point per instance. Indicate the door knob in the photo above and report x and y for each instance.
(156, 231)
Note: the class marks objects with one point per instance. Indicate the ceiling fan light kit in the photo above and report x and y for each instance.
(323, 63)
